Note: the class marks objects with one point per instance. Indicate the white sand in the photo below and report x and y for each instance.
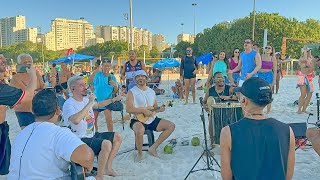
(188, 123)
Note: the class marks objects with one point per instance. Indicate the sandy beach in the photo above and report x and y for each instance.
(188, 124)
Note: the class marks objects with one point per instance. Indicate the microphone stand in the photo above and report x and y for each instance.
(209, 157)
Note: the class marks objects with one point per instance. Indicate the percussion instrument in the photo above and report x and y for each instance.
(223, 114)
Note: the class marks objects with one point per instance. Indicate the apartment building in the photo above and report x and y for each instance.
(66, 33)
(158, 41)
(122, 33)
(13, 30)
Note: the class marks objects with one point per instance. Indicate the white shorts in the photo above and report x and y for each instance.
(240, 83)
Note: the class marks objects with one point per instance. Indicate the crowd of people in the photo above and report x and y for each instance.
(247, 77)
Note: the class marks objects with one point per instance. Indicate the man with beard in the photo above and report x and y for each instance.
(249, 62)
(219, 92)
(188, 71)
(21, 81)
(139, 99)
(10, 96)
(130, 68)
(78, 115)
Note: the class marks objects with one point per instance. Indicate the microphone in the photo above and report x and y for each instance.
(201, 101)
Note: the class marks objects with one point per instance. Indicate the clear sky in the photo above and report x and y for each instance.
(158, 16)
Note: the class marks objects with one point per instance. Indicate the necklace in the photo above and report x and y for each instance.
(219, 94)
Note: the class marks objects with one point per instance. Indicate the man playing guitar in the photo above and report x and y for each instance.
(139, 100)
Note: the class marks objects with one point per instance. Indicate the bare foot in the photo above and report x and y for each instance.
(299, 112)
(306, 112)
(111, 172)
(99, 177)
(138, 158)
(153, 152)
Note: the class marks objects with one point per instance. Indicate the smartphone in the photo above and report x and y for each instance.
(22, 68)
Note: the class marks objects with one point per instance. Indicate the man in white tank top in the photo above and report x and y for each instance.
(138, 98)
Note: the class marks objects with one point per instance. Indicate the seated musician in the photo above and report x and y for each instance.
(219, 92)
(139, 98)
(78, 115)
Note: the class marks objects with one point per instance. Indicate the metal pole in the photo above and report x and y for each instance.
(126, 17)
(254, 19)
(194, 19)
(131, 25)
(182, 27)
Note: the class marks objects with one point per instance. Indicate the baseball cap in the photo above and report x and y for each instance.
(139, 73)
(257, 90)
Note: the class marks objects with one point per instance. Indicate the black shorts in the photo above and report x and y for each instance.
(25, 118)
(103, 108)
(189, 76)
(153, 126)
(64, 85)
(95, 142)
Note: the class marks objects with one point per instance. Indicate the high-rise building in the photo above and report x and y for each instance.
(158, 41)
(69, 34)
(122, 33)
(185, 38)
(13, 30)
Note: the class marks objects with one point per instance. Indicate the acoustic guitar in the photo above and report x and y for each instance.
(142, 118)
(77, 172)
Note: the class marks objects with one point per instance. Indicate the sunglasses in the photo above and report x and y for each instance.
(215, 56)
(267, 48)
(188, 50)
(236, 52)
(219, 79)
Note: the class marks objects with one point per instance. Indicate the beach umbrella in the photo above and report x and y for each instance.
(167, 63)
(71, 59)
(205, 59)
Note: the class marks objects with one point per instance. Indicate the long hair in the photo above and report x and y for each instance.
(225, 58)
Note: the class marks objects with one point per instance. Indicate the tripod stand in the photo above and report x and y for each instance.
(206, 152)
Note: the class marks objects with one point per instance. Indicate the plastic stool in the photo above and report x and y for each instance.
(150, 135)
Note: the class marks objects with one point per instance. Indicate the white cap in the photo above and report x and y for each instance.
(140, 72)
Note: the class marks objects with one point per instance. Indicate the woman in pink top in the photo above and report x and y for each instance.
(268, 71)
(233, 63)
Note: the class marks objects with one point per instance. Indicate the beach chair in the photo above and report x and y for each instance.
(299, 130)
(150, 136)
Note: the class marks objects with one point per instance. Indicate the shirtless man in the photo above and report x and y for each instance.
(64, 75)
(21, 81)
(305, 80)
(53, 75)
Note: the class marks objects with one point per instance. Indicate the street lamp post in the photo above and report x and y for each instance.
(254, 19)
(42, 46)
(182, 27)
(131, 25)
(194, 19)
(126, 17)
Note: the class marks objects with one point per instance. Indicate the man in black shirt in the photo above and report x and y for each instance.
(10, 96)
(257, 147)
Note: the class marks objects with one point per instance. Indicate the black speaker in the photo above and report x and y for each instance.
(299, 129)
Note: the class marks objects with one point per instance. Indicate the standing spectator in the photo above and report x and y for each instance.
(21, 81)
(188, 71)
